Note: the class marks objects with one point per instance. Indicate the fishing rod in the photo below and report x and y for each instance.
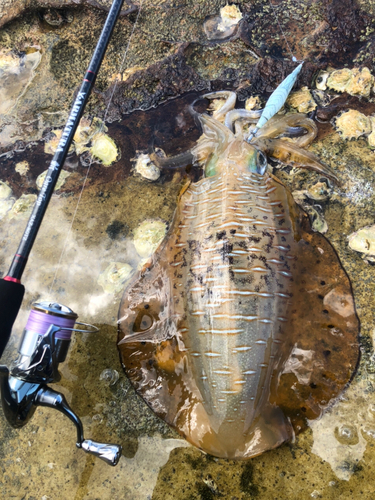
(46, 338)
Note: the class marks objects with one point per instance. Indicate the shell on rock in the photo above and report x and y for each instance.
(363, 241)
(5, 191)
(322, 98)
(51, 141)
(89, 138)
(371, 137)
(55, 17)
(60, 181)
(317, 220)
(224, 25)
(115, 276)
(16, 73)
(253, 102)
(104, 149)
(352, 124)
(22, 167)
(23, 206)
(321, 80)
(144, 167)
(302, 100)
(215, 105)
(148, 236)
(86, 131)
(6, 202)
(339, 80)
(356, 82)
(320, 191)
(5, 205)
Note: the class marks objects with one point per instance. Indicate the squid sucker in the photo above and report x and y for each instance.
(242, 326)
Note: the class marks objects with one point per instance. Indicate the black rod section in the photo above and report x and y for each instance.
(19, 261)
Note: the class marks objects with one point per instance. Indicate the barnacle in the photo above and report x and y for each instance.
(22, 167)
(5, 191)
(363, 241)
(109, 376)
(86, 131)
(319, 191)
(60, 181)
(253, 102)
(224, 25)
(6, 202)
(302, 100)
(371, 137)
(144, 167)
(148, 236)
(114, 277)
(104, 149)
(353, 81)
(52, 141)
(352, 124)
(321, 80)
(23, 205)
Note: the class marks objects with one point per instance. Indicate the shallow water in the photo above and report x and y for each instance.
(334, 458)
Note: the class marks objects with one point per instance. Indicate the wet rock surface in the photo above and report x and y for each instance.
(171, 55)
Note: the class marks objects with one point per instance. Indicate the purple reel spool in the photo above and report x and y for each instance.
(45, 314)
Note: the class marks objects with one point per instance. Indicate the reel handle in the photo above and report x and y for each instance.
(108, 452)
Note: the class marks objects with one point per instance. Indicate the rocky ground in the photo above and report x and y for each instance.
(45, 47)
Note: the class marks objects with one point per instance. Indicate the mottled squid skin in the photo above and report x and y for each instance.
(210, 329)
(233, 256)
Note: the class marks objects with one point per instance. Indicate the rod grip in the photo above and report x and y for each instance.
(11, 295)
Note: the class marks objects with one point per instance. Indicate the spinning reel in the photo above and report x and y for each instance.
(44, 345)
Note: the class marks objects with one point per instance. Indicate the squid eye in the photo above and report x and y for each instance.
(143, 322)
(261, 162)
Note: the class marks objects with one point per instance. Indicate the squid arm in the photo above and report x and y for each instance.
(182, 160)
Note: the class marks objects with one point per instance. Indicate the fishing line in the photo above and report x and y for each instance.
(91, 159)
(282, 31)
